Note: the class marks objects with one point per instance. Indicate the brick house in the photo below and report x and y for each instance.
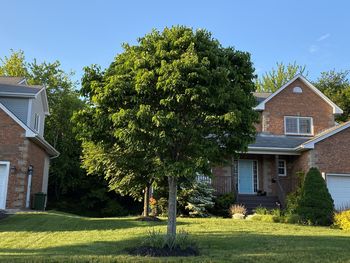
(297, 131)
(24, 153)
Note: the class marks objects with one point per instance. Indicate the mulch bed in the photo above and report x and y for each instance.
(148, 219)
(163, 252)
(3, 215)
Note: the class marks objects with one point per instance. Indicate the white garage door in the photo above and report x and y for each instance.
(4, 172)
(339, 188)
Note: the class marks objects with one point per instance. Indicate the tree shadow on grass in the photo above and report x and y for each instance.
(231, 247)
(42, 222)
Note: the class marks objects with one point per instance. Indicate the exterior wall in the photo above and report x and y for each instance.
(17, 106)
(258, 126)
(21, 153)
(14, 148)
(332, 155)
(38, 108)
(223, 181)
(306, 104)
(37, 160)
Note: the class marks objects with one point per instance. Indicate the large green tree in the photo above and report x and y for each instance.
(336, 86)
(277, 77)
(178, 95)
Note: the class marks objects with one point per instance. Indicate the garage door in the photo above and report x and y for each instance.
(4, 172)
(339, 188)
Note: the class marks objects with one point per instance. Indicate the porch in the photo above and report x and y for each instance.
(261, 176)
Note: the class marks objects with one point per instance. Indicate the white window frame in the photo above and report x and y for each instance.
(36, 122)
(285, 167)
(298, 125)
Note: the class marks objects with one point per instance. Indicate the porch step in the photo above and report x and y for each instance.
(253, 201)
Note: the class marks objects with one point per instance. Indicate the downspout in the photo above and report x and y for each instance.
(29, 185)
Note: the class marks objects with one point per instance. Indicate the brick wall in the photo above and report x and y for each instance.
(332, 155)
(20, 152)
(306, 104)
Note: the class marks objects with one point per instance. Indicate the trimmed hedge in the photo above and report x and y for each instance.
(315, 205)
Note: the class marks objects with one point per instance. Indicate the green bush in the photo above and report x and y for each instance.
(292, 219)
(260, 210)
(157, 239)
(222, 204)
(266, 218)
(315, 205)
(342, 220)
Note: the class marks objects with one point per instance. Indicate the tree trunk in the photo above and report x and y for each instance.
(172, 182)
(146, 202)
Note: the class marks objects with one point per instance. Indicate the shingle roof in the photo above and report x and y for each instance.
(23, 89)
(11, 80)
(278, 141)
(261, 96)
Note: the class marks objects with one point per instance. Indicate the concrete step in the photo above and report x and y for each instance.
(251, 202)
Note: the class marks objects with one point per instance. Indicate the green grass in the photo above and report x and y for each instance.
(56, 237)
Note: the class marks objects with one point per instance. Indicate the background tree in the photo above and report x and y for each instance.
(276, 78)
(69, 188)
(336, 86)
(179, 95)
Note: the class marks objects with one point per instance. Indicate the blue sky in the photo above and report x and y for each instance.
(80, 33)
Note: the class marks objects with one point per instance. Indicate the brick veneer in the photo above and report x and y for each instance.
(332, 155)
(20, 152)
(306, 104)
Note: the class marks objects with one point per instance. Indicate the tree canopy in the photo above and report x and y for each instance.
(336, 86)
(276, 78)
(179, 98)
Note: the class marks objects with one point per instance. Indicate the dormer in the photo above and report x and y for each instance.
(296, 109)
(28, 103)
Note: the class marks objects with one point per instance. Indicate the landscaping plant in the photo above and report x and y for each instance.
(342, 220)
(315, 205)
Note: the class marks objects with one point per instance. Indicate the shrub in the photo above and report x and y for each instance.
(342, 220)
(261, 210)
(162, 206)
(157, 239)
(200, 199)
(265, 218)
(315, 205)
(221, 205)
(292, 219)
(237, 209)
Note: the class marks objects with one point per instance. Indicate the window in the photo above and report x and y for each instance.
(282, 168)
(298, 125)
(297, 90)
(36, 122)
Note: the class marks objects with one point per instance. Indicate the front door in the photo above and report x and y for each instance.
(4, 172)
(245, 177)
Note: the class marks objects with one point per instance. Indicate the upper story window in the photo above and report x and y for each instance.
(36, 122)
(295, 125)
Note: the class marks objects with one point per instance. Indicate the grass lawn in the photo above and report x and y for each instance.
(56, 237)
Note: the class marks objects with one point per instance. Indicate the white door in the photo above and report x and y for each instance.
(339, 188)
(4, 172)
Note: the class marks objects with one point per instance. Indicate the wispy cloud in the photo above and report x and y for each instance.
(323, 37)
(313, 48)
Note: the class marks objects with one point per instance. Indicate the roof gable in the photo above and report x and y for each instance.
(336, 109)
(310, 144)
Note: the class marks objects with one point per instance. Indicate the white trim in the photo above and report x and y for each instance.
(273, 153)
(285, 167)
(338, 174)
(18, 94)
(311, 143)
(6, 180)
(44, 100)
(298, 126)
(336, 109)
(29, 132)
(29, 113)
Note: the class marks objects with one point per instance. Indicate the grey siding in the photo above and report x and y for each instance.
(38, 108)
(18, 106)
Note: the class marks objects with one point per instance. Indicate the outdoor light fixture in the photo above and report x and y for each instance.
(13, 169)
